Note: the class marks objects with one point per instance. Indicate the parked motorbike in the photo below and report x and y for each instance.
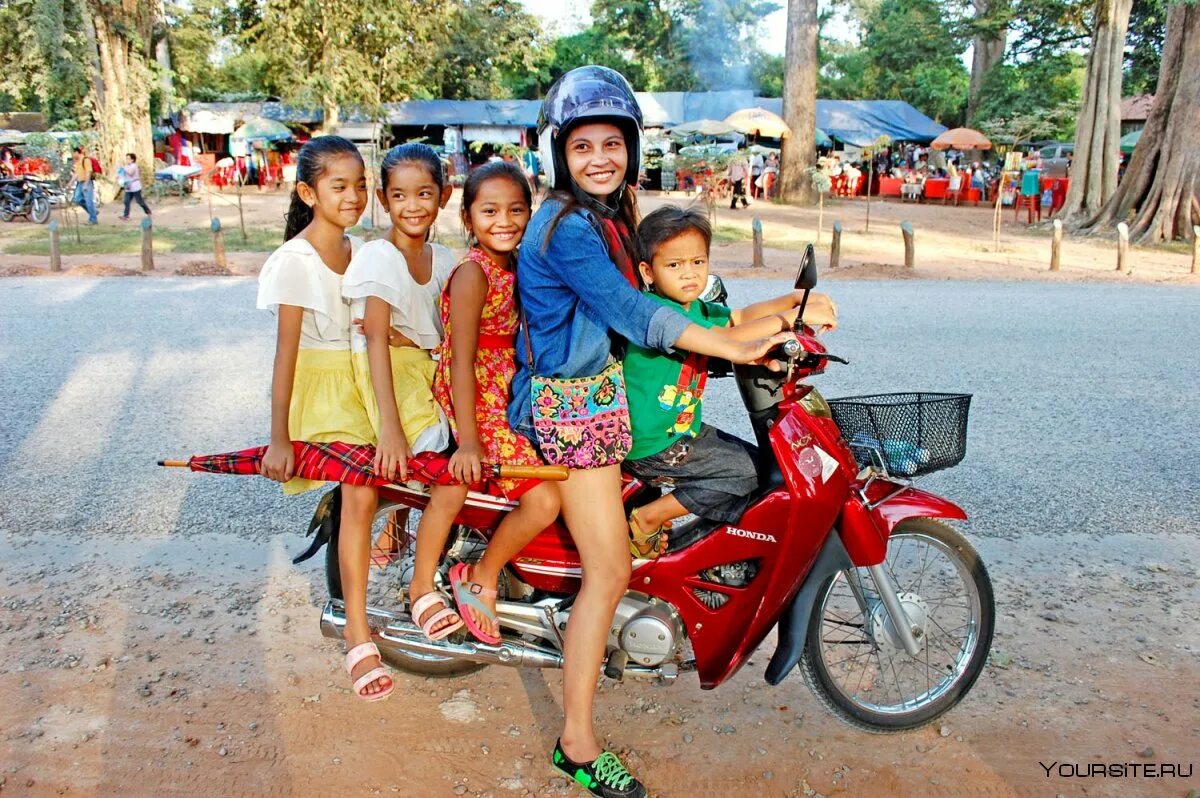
(24, 196)
(887, 610)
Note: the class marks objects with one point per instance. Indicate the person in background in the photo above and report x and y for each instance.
(85, 183)
(756, 170)
(8, 162)
(130, 178)
(738, 172)
(852, 173)
(770, 175)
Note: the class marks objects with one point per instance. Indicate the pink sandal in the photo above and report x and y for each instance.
(358, 654)
(425, 603)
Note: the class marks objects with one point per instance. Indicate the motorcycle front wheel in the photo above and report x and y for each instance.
(387, 586)
(39, 210)
(6, 215)
(853, 660)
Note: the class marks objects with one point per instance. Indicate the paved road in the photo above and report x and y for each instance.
(1083, 418)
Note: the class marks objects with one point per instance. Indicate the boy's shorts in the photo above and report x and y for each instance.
(713, 474)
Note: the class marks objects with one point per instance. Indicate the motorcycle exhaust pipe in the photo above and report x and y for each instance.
(398, 634)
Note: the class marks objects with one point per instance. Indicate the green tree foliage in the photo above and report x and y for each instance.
(1144, 44)
(45, 52)
(489, 50)
(913, 54)
(1017, 91)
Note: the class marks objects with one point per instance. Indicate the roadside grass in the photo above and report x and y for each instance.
(127, 240)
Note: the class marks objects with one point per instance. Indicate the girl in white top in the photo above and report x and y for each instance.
(395, 285)
(313, 395)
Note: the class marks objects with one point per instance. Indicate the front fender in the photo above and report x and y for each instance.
(865, 532)
(793, 623)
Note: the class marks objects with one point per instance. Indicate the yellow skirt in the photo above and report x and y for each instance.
(326, 405)
(412, 383)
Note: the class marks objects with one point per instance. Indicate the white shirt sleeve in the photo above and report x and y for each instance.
(378, 269)
(289, 277)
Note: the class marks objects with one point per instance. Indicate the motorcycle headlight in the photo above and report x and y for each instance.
(816, 405)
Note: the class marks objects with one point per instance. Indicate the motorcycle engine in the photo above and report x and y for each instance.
(650, 631)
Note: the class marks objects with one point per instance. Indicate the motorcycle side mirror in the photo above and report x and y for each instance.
(715, 291)
(806, 280)
(806, 275)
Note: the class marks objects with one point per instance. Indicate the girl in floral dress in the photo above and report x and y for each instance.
(477, 359)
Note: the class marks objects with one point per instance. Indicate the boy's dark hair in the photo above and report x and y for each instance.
(491, 170)
(412, 152)
(669, 221)
(131, 156)
(310, 163)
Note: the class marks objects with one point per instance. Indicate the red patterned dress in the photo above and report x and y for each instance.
(495, 364)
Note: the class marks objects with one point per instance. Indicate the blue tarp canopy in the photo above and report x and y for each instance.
(862, 122)
(498, 113)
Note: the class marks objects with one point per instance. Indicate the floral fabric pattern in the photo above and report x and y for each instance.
(494, 369)
(584, 422)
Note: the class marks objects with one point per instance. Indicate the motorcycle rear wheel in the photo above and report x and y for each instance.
(856, 667)
(7, 215)
(386, 585)
(39, 210)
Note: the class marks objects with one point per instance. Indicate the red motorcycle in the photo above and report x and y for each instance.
(888, 611)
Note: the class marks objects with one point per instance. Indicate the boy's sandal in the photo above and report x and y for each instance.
(646, 545)
(604, 776)
(466, 595)
(356, 655)
(424, 604)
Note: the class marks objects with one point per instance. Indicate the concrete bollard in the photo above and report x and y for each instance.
(756, 227)
(55, 252)
(910, 253)
(147, 245)
(218, 243)
(1056, 245)
(1123, 264)
(835, 246)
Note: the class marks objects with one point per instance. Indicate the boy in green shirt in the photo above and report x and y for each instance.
(712, 472)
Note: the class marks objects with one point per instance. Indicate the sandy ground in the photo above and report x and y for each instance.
(951, 242)
(155, 639)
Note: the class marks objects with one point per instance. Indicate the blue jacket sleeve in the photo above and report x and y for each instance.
(579, 257)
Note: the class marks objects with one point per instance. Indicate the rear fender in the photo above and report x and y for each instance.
(793, 623)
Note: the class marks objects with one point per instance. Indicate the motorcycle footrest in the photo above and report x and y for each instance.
(614, 666)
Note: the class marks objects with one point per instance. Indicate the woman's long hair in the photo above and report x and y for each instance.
(310, 165)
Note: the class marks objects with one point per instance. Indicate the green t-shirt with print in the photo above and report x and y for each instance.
(665, 390)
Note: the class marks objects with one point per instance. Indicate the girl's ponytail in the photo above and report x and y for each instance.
(310, 163)
(299, 215)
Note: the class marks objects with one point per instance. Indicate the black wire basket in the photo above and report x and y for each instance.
(912, 434)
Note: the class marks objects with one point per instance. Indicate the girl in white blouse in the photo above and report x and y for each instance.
(313, 394)
(394, 285)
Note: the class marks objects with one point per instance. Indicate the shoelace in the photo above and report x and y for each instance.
(610, 771)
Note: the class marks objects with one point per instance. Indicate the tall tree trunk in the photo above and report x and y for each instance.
(1098, 128)
(123, 46)
(1161, 186)
(162, 54)
(987, 47)
(799, 102)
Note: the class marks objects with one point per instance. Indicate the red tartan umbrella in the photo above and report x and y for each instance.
(352, 464)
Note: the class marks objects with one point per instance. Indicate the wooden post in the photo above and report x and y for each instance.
(1056, 245)
(147, 245)
(1195, 249)
(820, 214)
(218, 243)
(835, 248)
(1123, 248)
(756, 227)
(906, 229)
(870, 183)
(55, 254)
(241, 215)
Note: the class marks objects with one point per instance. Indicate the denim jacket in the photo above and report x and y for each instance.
(574, 298)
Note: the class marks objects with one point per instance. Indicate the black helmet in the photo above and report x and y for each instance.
(595, 94)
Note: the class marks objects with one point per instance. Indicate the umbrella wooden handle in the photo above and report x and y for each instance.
(548, 473)
(173, 463)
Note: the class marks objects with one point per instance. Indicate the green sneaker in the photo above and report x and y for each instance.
(604, 776)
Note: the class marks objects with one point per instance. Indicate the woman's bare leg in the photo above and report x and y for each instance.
(591, 505)
(354, 562)
(537, 510)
